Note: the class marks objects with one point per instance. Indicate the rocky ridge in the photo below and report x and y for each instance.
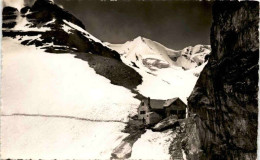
(50, 27)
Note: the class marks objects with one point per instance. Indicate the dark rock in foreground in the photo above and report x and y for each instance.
(225, 98)
(167, 123)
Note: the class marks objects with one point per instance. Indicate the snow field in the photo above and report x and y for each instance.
(44, 84)
(35, 82)
(58, 138)
(153, 145)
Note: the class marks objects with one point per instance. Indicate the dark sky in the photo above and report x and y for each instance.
(175, 24)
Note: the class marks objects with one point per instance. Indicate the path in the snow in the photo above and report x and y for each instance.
(61, 116)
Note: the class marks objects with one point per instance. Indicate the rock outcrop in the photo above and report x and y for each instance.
(9, 17)
(168, 123)
(225, 98)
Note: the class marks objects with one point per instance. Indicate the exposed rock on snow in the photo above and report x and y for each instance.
(122, 151)
(135, 128)
(167, 123)
(9, 17)
(191, 57)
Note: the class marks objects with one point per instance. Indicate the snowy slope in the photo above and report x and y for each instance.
(58, 138)
(50, 86)
(37, 82)
(153, 145)
(49, 27)
(168, 83)
(56, 104)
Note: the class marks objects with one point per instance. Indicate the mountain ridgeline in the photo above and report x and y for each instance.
(224, 102)
(49, 27)
(46, 21)
(153, 55)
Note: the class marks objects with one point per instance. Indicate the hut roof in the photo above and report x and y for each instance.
(168, 102)
(171, 101)
(155, 103)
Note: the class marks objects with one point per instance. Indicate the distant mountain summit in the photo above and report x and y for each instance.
(153, 55)
(143, 51)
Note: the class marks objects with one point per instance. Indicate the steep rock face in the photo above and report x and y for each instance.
(225, 96)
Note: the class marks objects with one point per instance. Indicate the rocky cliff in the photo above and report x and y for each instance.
(225, 98)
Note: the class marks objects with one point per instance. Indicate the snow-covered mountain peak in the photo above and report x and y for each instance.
(142, 40)
(152, 45)
(143, 52)
(139, 38)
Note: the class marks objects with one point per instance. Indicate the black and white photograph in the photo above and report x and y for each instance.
(129, 79)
